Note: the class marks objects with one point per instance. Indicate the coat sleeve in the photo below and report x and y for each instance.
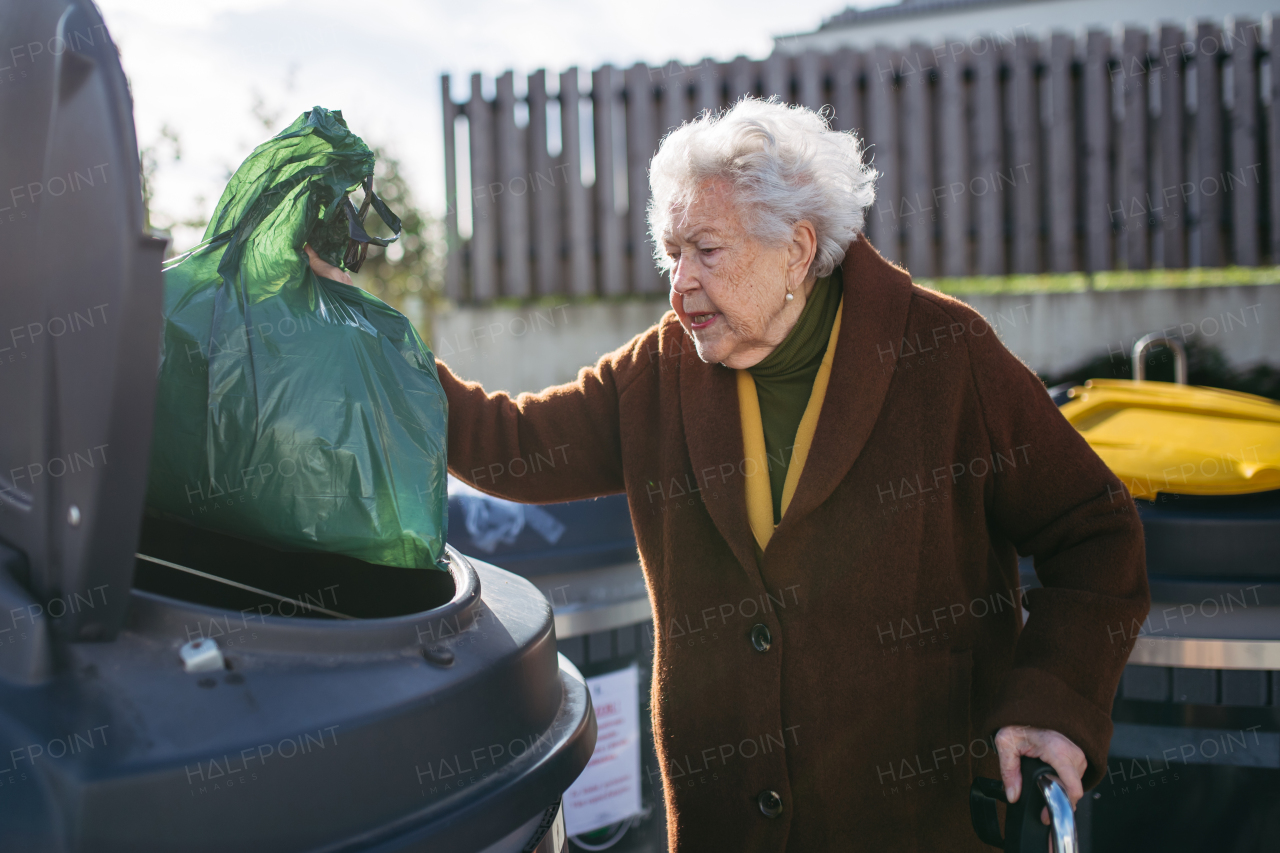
(560, 444)
(1061, 504)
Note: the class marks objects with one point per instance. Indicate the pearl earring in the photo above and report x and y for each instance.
(790, 296)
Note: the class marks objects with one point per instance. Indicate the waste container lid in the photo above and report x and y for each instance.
(1179, 439)
(81, 303)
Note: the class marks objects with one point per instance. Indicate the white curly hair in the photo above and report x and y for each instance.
(785, 164)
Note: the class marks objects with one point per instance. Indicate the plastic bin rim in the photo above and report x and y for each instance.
(336, 635)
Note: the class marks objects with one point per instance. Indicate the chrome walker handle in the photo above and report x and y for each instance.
(1062, 820)
(1023, 832)
(1139, 357)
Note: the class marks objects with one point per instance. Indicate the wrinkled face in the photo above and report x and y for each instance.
(728, 289)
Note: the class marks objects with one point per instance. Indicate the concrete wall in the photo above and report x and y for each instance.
(1056, 332)
(527, 349)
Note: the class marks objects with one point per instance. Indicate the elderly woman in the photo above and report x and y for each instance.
(831, 473)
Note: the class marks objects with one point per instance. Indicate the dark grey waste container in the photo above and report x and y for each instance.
(211, 694)
(582, 556)
(1195, 757)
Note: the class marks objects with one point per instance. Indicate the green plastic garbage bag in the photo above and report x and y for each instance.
(293, 410)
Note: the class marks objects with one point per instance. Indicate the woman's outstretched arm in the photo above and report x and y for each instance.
(560, 444)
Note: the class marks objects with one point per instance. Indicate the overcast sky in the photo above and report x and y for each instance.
(196, 66)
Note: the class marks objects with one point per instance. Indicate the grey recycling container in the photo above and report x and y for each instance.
(165, 688)
(1194, 761)
(582, 556)
(1195, 757)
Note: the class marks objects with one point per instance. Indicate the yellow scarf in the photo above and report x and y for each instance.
(759, 498)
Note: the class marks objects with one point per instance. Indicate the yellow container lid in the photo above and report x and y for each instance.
(1179, 439)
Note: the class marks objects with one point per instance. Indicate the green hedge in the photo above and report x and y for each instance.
(1205, 366)
(1078, 282)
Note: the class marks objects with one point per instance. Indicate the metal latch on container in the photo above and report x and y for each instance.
(201, 656)
(438, 655)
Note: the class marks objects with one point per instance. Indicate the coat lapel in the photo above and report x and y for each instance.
(877, 296)
(713, 433)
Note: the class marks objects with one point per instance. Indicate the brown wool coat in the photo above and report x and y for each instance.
(888, 587)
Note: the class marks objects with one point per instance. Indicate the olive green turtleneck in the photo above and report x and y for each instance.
(784, 379)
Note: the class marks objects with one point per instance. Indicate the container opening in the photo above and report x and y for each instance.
(308, 582)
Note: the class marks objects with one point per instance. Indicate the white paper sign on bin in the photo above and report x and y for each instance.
(608, 791)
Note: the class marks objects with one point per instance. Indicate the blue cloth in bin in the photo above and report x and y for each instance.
(491, 520)
(533, 540)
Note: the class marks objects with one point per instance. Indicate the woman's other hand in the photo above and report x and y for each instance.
(1056, 750)
(324, 269)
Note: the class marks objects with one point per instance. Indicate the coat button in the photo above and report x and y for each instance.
(770, 803)
(761, 638)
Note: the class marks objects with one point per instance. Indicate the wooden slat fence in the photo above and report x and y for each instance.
(998, 155)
